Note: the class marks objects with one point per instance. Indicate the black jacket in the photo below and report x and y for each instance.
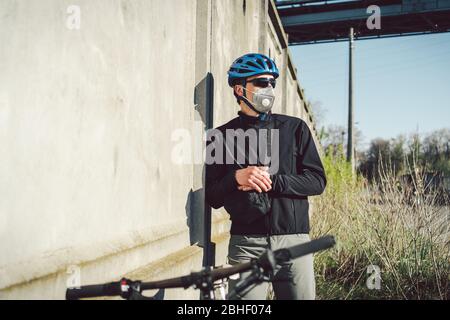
(300, 175)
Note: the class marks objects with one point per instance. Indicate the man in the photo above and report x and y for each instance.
(299, 174)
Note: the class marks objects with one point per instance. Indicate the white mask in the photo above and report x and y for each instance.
(263, 99)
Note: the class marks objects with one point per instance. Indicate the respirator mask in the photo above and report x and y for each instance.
(264, 97)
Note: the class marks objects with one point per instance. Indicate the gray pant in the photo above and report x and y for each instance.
(292, 281)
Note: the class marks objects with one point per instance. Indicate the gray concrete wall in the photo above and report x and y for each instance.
(87, 122)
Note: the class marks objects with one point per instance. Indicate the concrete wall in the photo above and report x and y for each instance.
(87, 117)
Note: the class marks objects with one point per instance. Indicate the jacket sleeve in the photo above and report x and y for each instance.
(218, 183)
(311, 179)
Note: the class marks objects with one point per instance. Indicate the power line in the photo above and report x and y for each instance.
(385, 68)
(321, 65)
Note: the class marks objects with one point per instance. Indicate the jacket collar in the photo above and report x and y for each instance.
(254, 121)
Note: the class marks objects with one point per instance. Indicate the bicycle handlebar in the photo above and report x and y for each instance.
(311, 247)
(121, 288)
(189, 280)
(96, 290)
(266, 261)
(286, 254)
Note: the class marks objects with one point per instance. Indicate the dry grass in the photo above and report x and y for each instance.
(400, 228)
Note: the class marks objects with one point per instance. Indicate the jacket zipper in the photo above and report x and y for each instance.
(269, 150)
(293, 214)
(294, 170)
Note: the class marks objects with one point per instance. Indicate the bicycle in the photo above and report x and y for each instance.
(206, 279)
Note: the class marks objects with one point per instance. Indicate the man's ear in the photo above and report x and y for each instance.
(238, 89)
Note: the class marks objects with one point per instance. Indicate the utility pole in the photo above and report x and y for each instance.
(350, 135)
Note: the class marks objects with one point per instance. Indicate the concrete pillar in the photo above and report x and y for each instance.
(200, 215)
(263, 18)
(284, 71)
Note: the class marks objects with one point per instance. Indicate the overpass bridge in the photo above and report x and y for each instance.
(316, 21)
(321, 21)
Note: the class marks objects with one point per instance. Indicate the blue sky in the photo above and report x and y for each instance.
(401, 84)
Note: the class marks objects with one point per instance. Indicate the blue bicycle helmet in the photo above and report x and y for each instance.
(251, 64)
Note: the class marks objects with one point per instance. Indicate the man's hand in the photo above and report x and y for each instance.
(254, 178)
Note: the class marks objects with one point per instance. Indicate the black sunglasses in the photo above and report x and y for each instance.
(263, 82)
